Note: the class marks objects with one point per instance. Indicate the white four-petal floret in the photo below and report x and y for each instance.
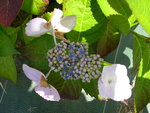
(114, 83)
(38, 26)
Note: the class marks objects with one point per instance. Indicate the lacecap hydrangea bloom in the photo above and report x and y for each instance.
(42, 88)
(73, 62)
(114, 83)
(39, 26)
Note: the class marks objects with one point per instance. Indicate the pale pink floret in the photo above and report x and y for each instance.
(48, 93)
(114, 83)
(35, 27)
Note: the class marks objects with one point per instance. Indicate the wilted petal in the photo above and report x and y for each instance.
(32, 73)
(48, 93)
(114, 83)
(36, 27)
(66, 24)
(56, 17)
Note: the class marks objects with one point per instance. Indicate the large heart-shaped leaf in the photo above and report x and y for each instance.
(9, 10)
(91, 23)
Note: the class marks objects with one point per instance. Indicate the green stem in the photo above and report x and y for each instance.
(104, 63)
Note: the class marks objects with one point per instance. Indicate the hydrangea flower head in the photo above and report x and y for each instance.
(114, 83)
(73, 61)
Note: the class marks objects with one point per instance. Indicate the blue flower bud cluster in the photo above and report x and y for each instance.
(73, 61)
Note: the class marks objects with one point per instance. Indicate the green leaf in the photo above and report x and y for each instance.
(8, 68)
(119, 14)
(141, 11)
(35, 7)
(68, 89)
(60, 1)
(141, 58)
(109, 41)
(91, 88)
(141, 49)
(12, 34)
(91, 22)
(36, 51)
(6, 45)
(47, 16)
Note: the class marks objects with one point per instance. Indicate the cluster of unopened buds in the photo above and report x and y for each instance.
(73, 61)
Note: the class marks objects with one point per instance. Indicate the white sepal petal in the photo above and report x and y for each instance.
(35, 27)
(66, 24)
(48, 93)
(56, 17)
(32, 73)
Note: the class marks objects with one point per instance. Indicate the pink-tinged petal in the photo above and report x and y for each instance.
(105, 88)
(32, 73)
(56, 17)
(48, 93)
(36, 27)
(66, 24)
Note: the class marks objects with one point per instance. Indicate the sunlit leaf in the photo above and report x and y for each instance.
(118, 12)
(35, 7)
(91, 22)
(141, 11)
(141, 59)
(60, 1)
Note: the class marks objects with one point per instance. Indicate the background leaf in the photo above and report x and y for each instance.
(8, 68)
(91, 88)
(109, 41)
(9, 10)
(141, 11)
(119, 14)
(6, 44)
(35, 7)
(91, 23)
(142, 59)
(36, 51)
(12, 34)
(68, 89)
